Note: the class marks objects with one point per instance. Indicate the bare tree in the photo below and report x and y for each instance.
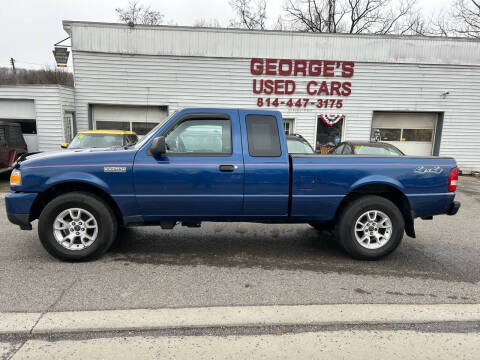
(208, 23)
(356, 16)
(137, 13)
(463, 19)
(249, 14)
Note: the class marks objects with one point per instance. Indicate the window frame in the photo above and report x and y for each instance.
(193, 116)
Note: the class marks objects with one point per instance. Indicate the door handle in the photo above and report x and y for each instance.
(227, 167)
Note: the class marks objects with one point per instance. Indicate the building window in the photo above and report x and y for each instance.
(328, 136)
(381, 134)
(141, 128)
(288, 126)
(386, 134)
(417, 135)
(68, 127)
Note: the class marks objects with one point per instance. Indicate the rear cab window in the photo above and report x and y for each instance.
(262, 135)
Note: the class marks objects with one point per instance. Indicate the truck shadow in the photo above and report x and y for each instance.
(270, 247)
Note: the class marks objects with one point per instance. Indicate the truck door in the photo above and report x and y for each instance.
(266, 162)
(202, 173)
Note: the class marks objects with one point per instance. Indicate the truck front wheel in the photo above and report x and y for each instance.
(77, 226)
(370, 227)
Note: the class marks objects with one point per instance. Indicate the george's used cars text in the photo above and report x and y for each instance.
(215, 164)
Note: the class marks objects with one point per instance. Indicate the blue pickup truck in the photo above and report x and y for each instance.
(224, 165)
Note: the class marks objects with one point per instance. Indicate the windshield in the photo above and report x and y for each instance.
(299, 146)
(377, 150)
(152, 132)
(91, 140)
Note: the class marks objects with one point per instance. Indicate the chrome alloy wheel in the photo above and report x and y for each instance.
(75, 229)
(373, 229)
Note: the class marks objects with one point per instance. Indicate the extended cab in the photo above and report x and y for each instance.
(224, 165)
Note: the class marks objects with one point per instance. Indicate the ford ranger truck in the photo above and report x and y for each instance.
(224, 165)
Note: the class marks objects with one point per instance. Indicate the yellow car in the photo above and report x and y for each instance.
(101, 139)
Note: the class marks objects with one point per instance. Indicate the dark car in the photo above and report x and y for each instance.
(365, 148)
(12, 144)
(297, 144)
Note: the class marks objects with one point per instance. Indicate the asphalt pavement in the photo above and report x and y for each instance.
(245, 264)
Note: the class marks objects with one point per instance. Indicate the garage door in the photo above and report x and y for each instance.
(135, 118)
(17, 109)
(21, 111)
(413, 133)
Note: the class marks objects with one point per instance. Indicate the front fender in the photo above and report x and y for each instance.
(76, 177)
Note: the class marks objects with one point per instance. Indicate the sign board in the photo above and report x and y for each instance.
(61, 56)
(301, 83)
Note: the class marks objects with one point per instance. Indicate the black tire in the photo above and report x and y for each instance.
(346, 227)
(107, 226)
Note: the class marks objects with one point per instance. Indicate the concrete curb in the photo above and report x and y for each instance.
(233, 316)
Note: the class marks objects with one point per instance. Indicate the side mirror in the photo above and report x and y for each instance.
(64, 145)
(158, 146)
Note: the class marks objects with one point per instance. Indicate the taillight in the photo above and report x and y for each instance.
(453, 179)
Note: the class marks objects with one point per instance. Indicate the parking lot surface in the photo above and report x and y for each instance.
(245, 264)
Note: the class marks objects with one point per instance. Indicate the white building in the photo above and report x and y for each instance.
(45, 112)
(419, 93)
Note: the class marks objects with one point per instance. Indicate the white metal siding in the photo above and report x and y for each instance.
(48, 110)
(189, 81)
(187, 41)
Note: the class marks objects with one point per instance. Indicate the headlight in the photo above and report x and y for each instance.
(16, 178)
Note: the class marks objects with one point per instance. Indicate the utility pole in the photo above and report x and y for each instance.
(12, 61)
(331, 16)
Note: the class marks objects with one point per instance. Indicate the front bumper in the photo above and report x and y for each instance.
(454, 208)
(21, 220)
(18, 208)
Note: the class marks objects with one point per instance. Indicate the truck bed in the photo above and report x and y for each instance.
(321, 182)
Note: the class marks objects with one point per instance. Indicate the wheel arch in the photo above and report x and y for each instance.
(64, 187)
(386, 190)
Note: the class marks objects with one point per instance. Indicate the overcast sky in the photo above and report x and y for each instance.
(29, 28)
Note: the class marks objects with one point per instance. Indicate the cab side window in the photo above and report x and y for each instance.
(200, 136)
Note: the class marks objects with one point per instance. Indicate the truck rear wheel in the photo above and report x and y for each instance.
(77, 226)
(370, 227)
